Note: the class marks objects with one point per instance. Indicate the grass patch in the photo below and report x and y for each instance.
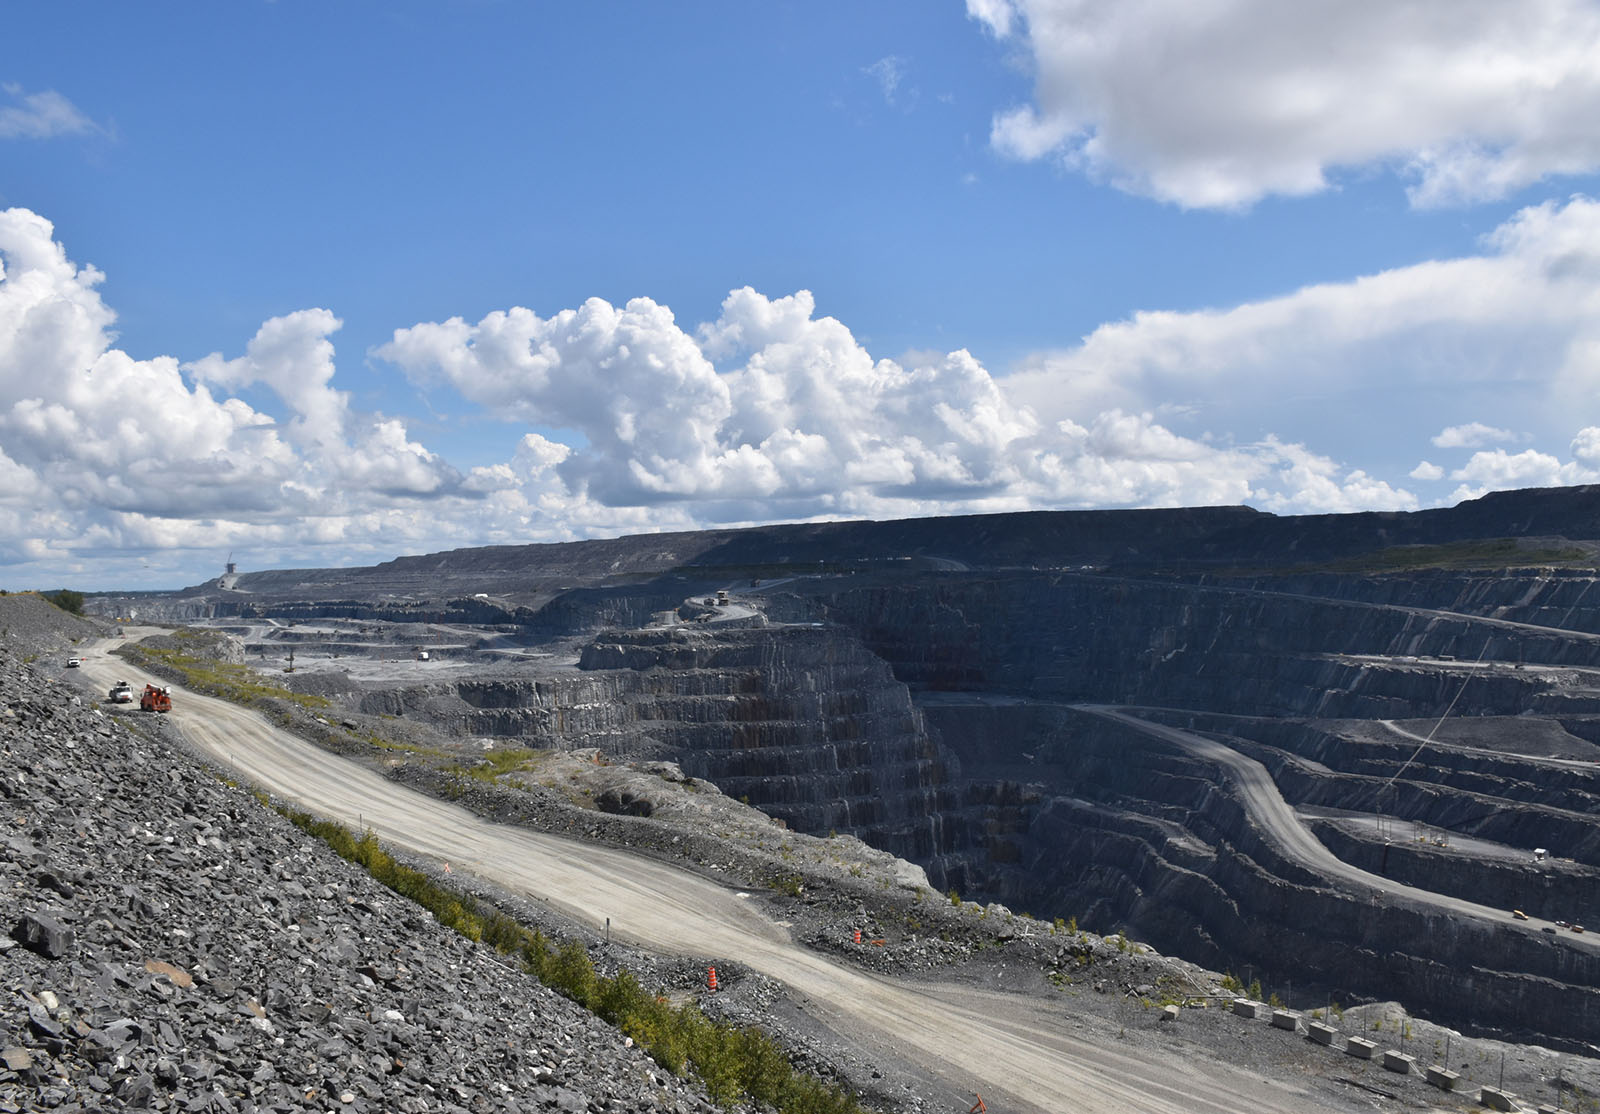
(735, 1064)
(500, 761)
(1489, 553)
(1495, 553)
(228, 680)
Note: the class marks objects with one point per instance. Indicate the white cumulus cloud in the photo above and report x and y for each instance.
(132, 454)
(773, 412)
(1586, 447)
(1221, 104)
(1498, 470)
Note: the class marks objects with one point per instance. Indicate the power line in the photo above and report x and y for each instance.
(1448, 709)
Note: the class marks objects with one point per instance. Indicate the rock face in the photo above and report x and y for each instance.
(803, 721)
(1140, 834)
(1071, 817)
(911, 683)
(1245, 649)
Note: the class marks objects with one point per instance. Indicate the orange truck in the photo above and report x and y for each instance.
(155, 700)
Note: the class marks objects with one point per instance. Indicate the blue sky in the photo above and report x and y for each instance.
(320, 284)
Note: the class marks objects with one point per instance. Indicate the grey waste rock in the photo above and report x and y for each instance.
(43, 934)
(175, 945)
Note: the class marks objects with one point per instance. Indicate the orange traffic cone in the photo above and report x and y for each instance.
(711, 978)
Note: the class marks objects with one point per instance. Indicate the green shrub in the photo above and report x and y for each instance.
(790, 884)
(66, 599)
(734, 1064)
(572, 973)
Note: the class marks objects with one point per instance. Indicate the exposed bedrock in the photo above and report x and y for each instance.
(1115, 640)
(1122, 831)
(805, 723)
(1510, 799)
(1022, 801)
(1550, 597)
(1551, 890)
(575, 611)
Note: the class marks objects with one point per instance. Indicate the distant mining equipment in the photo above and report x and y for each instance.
(1437, 837)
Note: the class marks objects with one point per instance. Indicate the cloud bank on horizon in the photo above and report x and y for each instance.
(767, 413)
(626, 419)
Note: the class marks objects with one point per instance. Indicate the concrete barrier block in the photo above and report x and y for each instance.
(1496, 1099)
(1360, 1048)
(1285, 1019)
(1169, 1013)
(1442, 1078)
(1321, 1033)
(1397, 1062)
(1244, 1007)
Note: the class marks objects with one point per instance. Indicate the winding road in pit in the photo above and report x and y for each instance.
(1021, 1054)
(1260, 796)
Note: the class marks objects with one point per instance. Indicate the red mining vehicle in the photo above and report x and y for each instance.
(155, 700)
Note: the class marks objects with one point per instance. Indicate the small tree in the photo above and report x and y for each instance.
(66, 599)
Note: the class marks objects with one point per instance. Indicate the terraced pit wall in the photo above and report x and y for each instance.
(804, 722)
(1116, 829)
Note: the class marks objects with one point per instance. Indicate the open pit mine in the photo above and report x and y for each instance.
(1357, 756)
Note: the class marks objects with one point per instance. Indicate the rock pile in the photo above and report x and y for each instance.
(31, 625)
(172, 944)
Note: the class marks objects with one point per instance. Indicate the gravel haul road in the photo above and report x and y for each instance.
(1020, 1053)
(1278, 818)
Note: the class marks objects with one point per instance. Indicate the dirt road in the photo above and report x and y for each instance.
(1261, 797)
(1019, 1053)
